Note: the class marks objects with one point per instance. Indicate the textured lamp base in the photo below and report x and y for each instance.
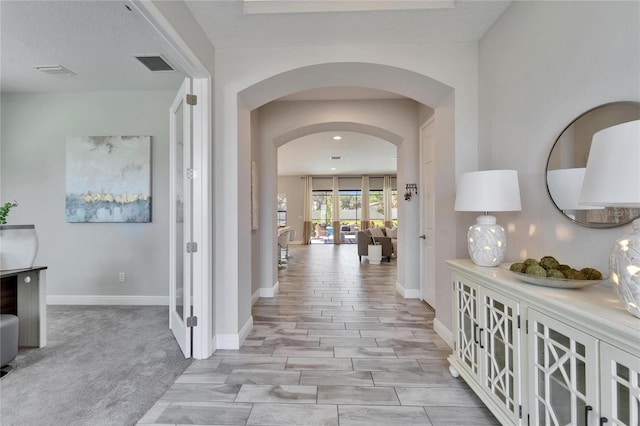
(487, 242)
(624, 265)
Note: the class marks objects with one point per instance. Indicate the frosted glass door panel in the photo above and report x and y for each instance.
(468, 328)
(501, 350)
(620, 386)
(564, 393)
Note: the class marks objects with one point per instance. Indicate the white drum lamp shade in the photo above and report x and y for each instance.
(612, 179)
(487, 191)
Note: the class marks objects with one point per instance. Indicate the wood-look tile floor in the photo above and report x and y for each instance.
(336, 346)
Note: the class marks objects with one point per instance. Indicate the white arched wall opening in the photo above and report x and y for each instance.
(268, 147)
(395, 121)
(234, 242)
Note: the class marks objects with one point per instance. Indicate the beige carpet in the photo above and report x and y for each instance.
(103, 365)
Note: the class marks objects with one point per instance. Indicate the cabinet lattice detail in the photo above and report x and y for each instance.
(620, 386)
(560, 372)
(500, 351)
(467, 305)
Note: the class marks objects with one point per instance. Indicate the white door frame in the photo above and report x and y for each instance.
(185, 60)
(427, 262)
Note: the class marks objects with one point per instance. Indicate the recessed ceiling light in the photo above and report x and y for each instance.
(333, 168)
(335, 158)
(54, 70)
(337, 138)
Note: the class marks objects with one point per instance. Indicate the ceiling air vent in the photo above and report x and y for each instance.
(335, 158)
(155, 63)
(54, 70)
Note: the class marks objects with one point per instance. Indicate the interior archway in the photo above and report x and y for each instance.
(261, 244)
(344, 126)
(409, 84)
(393, 120)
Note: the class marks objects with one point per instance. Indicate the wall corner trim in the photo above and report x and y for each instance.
(407, 293)
(234, 341)
(269, 292)
(443, 332)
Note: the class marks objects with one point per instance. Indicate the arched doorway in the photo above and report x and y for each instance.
(236, 219)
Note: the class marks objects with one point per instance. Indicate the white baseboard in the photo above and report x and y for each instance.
(443, 332)
(255, 296)
(245, 330)
(107, 300)
(234, 341)
(227, 341)
(407, 293)
(296, 243)
(269, 292)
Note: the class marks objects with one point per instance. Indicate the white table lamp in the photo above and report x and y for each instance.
(612, 179)
(487, 191)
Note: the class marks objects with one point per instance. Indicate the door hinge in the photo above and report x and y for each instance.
(518, 321)
(191, 173)
(528, 419)
(192, 321)
(192, 100)
(526, 326)
(192, 247)
(455, 346)
(520, 412)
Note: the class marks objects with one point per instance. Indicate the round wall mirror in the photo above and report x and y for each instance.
(568, 160)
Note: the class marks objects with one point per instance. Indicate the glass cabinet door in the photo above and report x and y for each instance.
(500, 342)
(563, 373)
(620, 386)
(467, 327)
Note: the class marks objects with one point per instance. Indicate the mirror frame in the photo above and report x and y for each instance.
(560, 139)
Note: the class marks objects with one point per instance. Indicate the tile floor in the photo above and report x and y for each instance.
(336, 346)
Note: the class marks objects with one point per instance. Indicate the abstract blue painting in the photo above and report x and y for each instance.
(108, 179)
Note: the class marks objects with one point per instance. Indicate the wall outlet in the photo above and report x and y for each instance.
(122, 277)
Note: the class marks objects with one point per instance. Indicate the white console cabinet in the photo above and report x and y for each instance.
(544, 356)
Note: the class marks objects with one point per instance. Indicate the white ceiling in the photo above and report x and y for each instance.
(95, 39)
(98, 39)
(360, 154)
(228, 26)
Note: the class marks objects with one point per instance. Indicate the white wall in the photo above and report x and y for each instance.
(84, 258)
(541, 65)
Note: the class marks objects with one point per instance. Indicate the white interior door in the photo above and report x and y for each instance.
(427, 214)
(181, 191)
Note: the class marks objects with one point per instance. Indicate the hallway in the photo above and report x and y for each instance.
(336, 346)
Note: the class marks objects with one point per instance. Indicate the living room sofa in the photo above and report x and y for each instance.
(366, 237)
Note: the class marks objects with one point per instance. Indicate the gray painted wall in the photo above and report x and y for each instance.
(84, 259)
(532, 84)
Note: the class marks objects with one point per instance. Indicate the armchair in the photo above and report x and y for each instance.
(364, 239)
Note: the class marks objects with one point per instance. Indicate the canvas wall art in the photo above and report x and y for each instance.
(108, 179)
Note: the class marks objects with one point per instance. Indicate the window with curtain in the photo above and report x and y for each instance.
(350, 207)
(394, 207)
(321, 217)
(376, 207)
